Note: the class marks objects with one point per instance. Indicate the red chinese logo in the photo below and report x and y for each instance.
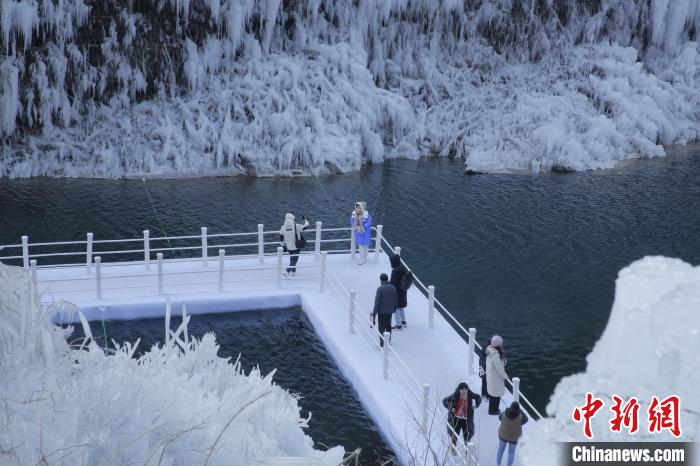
(587, 412)
(627, 416)
(665, 414)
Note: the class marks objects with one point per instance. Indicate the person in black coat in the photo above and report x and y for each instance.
(482, 371)
(384, 305)
(397, 272)
(461, 412)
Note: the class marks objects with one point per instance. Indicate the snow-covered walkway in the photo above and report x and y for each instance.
(437, 357)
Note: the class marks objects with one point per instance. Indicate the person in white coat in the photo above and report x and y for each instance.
(291, 240)
(495, 373)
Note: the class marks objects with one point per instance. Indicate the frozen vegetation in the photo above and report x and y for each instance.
(190, 87)
(649, 348)
(176, 404)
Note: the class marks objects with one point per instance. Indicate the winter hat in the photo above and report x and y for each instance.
(496, 341)
(363, 206)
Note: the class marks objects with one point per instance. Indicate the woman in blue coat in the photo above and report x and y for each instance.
(361, 223)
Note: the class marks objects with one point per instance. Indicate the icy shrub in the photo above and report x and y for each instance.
(175, 404)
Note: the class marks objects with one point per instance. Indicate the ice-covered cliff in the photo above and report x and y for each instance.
(176, 404)
(649, 348)
(191, 87)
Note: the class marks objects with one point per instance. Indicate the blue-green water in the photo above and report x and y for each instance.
(531, 257)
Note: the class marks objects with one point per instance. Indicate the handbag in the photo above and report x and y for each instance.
(299, 240)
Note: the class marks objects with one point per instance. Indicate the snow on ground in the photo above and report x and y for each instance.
(434, 356)
(280, 88)
(649, 348)
(63, 405)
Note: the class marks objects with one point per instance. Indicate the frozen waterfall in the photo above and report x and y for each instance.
(190, 87)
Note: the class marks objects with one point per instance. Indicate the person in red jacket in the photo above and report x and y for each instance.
(460, 416)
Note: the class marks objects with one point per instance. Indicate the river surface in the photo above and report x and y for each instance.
(533, 258)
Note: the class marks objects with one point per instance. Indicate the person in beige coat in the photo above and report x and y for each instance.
(495, 373)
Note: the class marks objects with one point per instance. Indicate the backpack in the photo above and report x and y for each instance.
(406, 280)
(299, 240)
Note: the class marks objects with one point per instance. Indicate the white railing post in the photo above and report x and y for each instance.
(516, 388)
(33, 284)
(317, 246)
(88, 254)
(324, 259)
(147, 249)
(352, 238)
(431, 306)
(472, 341)
(168, 311)
(205, 250)
(261, 243)
(279, 267)
(25, 251)
(426, 406)
(222, 255)
(351, 311)
(378, 242)
(98, 276)
(159, 258)
(32, 266)
(397, 250)
(386, 355)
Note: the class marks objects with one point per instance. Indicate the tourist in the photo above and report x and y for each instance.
(401, 278)
(292, 240)
(384, 304)
(509, 432)
(361, 223)
(460, 416)
(482, 371)
(495, 373)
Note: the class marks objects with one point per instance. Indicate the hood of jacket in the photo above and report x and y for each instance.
(512, 411)
(289, 221)
(363, 209)
(492, 352)
(395, 260)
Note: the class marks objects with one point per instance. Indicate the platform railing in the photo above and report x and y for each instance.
(468, 335)
(149, 246)
(94, 266)
(391, 363)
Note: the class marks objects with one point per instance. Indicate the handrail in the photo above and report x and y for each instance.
(406, 383)
(451, 317)
(86, 248)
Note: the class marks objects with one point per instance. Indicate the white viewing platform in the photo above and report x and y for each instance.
(400, 386)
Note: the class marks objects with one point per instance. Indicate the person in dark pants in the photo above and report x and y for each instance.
(460, 415)
(397, 272)
(482, 372)
(385, 305)
(290, 235)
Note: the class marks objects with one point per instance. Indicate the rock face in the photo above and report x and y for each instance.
(649, 348)
(170, 88)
